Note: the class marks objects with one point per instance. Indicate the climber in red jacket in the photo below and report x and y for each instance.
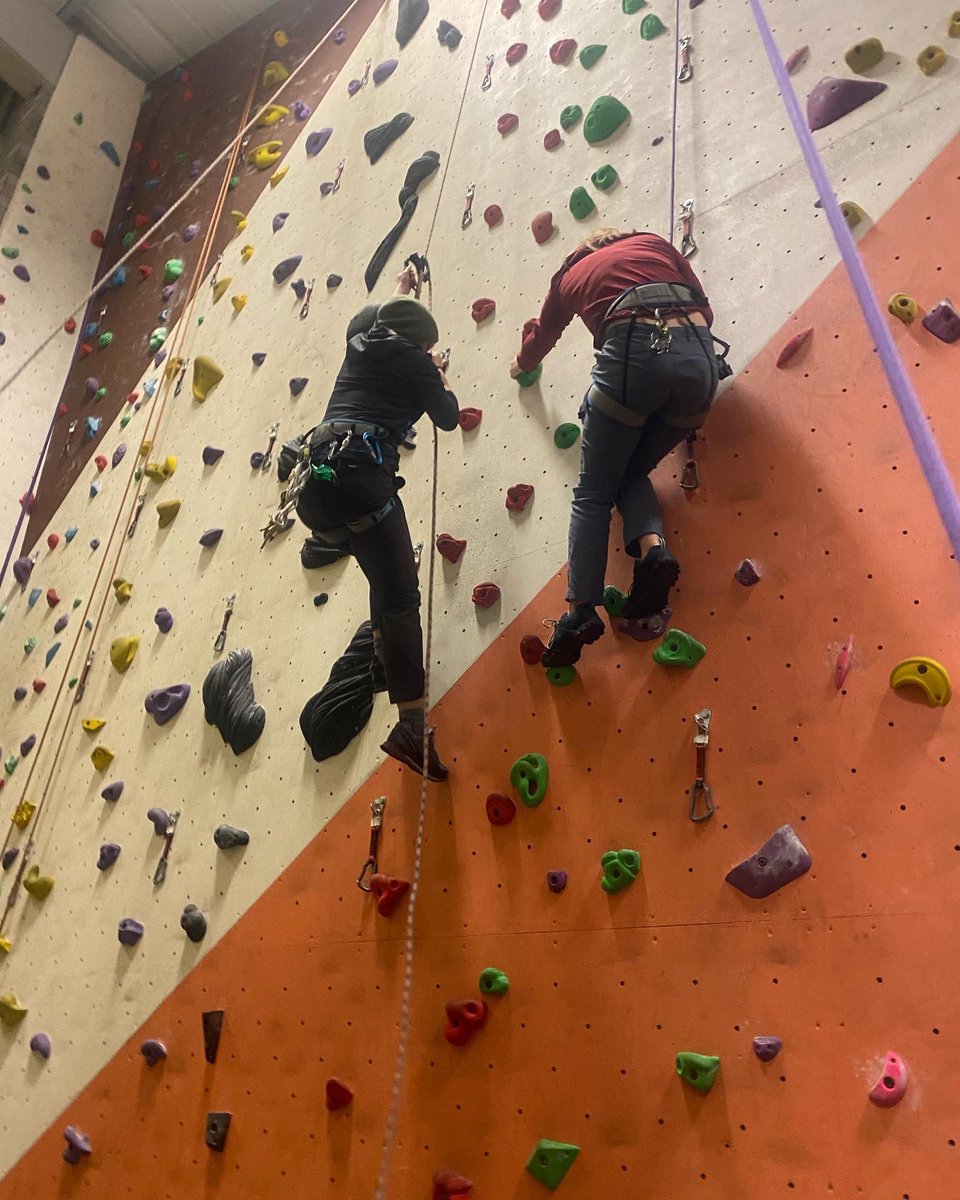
(654, 380)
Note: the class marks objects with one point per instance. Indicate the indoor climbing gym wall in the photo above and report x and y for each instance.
(584, 990)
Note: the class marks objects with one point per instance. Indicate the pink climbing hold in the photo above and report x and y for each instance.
(483, 308)
(844, 663)
(531, 649)
(507, 123)
(470, 418)
(796, 60)
(515, 53)
(548, 8)
(834, 98)
(892, 1084)
(485, 595)
(552, 139)
(519, 496)
(943, 322)
(493, 215)
(561, 52)
(101, 462)
(509, 7)
(794, 346)
(543, 227)
(449, 547)
(53, 597)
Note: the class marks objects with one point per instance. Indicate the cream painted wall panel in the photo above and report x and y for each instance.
(99, 993)
(36, 35)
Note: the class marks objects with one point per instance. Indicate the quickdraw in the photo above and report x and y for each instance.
(181, 376)
(701, 795)
(688, 247)
(141, 500)
(467, 219)
(488, 74)
(305, 309)
(221, 641)
(283, 519)
(82, 683)
(71, 430)
(370, 864)
(336, 178)
(272, 433)
(160, 873)
(686, 70)
(690, 475)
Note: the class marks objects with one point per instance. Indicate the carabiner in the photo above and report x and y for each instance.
(686, 70)
(487, 77)
(467, 219)
(376, 825)
(688, 247)
(690, 475)
(701, 789)
(373, 445)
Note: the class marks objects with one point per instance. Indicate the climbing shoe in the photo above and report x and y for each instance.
(405, 744)
(570, 634)
(653, 577)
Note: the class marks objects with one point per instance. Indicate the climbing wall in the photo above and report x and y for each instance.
(806, 470)
(51, 243)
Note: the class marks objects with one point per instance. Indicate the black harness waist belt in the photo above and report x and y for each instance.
(652, 296)
(332, 440)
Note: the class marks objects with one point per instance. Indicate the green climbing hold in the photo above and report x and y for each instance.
(129, 239)
(561, 676)
(30, 644)
(27, 188)
(10, 252)
(529, 776)
(699, 1070)
(565, 435)
(571, 116)
(651, 26)
(234, 182)
(493, 982)
(604, 178)
(529, 378)
(632, 6)
(11, 763)
(591, 54)
(146, 97)
(99, 393)
(605, 117)
(125, 420)
(613, 601)
(172, 270)
(104, 340)
(138, 474)
(157, 338)
(550, 1161)
(72, 683)
(200, 319)
(679, 649)
(181, 157)
(620, 869)
(78, 118)
(581, 203)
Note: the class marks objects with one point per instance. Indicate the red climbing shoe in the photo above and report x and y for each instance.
(570, 634)
(653, 577)
(405, 744)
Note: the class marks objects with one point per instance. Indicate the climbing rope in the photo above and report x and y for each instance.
(671, 223)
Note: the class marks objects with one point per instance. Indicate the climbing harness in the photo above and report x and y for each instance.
(221, 641)
(487, 74)
(370, 865)
(701, 794)
(305, 309)
(690, 475)
(688, 247)
(685, 73)
(160, 873)
(467, 219)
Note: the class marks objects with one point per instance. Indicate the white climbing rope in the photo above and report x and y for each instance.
(671, 222)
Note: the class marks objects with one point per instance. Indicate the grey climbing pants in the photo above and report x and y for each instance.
(668, 396)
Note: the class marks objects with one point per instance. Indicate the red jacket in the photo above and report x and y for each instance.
(588, 288)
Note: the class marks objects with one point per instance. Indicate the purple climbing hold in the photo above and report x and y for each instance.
(195, 168)
(943, 322)
(27, 745)
(166, 293)
(279, 221)
(21, 272)
(299, 287)
(747, 573)
(164, 703)
(159, 357)
(781, 859)
(43, 172)
(695, 3)
(129, 931)
(317, 140)
(209, 538)
(301, 110)
(22, 569)
(109, 853)
(647, 629)
(9, 857)
(334, 281)
(833, 98)
(298, 384)
(40, 1044)
(191, 232)
(259, 358)
(92, 385)
(353, 87)
(163, 619)
(20, 693)
(256, 459)
(327, 187)
(153, 1051)
(285, 268)
(78, 1145)
(117, 456)
(211, 454)
(94, 543)
(767, 1048)
(161, 820)
(60, 623)
(113, 791)
(556, 880)
(340, 37)
(384, 70)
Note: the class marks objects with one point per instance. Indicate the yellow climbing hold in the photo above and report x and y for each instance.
(266, 155)
(238, 302)
(167, 510)
(206, 376)
(903, 307)
(12, 1011)
(159, 472)
(39, 886)
(925, 673)
(5, 945)
(22, 814)
(220, 288)
(271, 115)
(123, 650)
(239, 219)
(278, 176)
(173, 366)
(853, 214)
(953, 29)
(246, 253)
(931, 60)
(280, 39)
(122, 589)
(92, 724)
(102, 757)
(274, 73)
(145, 447)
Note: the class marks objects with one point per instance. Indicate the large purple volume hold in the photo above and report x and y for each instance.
(833, 98)
(781, 859)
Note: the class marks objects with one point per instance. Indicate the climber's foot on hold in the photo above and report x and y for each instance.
(571, 633)
(653, 577)
(405, 744)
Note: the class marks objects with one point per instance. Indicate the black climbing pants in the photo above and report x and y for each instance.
(667, 396)
(385, 555)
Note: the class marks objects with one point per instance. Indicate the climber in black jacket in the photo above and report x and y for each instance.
(388, 380)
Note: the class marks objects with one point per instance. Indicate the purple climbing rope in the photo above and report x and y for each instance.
(924, 443)
(671, 222)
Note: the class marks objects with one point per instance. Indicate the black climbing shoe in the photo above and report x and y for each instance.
(570, 634)
(405, 744)
(653, 577)
(378, 674)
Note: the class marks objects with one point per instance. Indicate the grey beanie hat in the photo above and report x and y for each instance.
(409, 319)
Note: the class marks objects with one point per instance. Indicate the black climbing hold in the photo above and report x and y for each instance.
(411, 14)
(228, 837)
(320, 599)
(420, 169)
(284, 269)
(259, 359)
(378, 140)
(342, 708)
(449, 35)
(212, 1028)
(334, 281)
(193, 923)
(229, 703)
(218, 1126)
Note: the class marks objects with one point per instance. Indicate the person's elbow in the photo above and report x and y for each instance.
(447, 415)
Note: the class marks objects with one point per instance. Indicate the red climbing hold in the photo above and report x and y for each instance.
(485, 595)
(133, 397)
(85, 349)
(69, 325)
(500, 809)
(464, 1018)
(531, 649)
(338, 1094)
(844, 663)
(548, 8)
(794, 346)
(543, 227)
(154, 165)
(101, 462)
(493, 214)
(141, 220)
(39, 685)
(53, 597)
(516, 52)
(145, 271)
(519, 496)
(62, 409)
(507, 123)
(509, 7)
(97, 237)
(552, 139)
(138, 147)
(447, 1185)
(449, 547)
(53, 541)
(483, 308)
(388, 892)
(561, 52)
(187, 96)
(470, 418)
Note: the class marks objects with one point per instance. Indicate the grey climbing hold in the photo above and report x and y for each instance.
(410, 16)
(164, 703)
(113, 791)
(129, 931)
(71, 533)
(279, 221)
(193, 923)
(384, 70)
(153, 1051)
(781, 859)
(211, 537)
(297, 384)
(378, 140)
(109, 853)
(9, 857)
(317, 140)
(161, 820)
(40, 1044)
(334, 281)
(833, 98)
(449, 35)
(283, 270)
(228, 837)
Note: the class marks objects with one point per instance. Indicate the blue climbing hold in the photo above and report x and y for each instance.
(110, 151)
